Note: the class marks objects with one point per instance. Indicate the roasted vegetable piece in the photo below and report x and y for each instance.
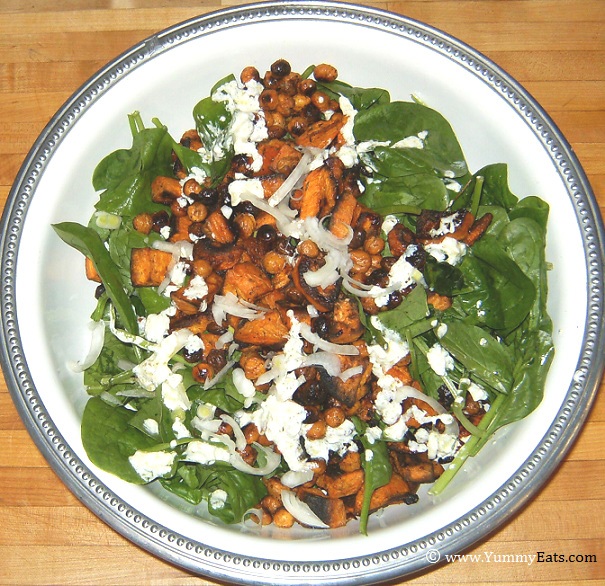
(148, 266)
(268, 330)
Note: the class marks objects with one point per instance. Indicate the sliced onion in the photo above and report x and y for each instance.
(343, 349)
(230, 304)
(240, 440)
(267, 377)
(345, 375)
(180, 249)
(208, 383)
(224, 339)
(357, 283)
(328, 360)
(325, 239)
(451, 428)
(301, 511)
(97, 339)
(294, 478)
(273, 461)
(301, 169)
(358, 292)
(328, 274)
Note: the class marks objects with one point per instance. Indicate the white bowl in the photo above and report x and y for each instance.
(46, 299)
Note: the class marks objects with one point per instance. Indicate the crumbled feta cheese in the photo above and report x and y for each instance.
(440, 359)
(197, 288)
(281, 422)
(388, 223)
(218, 498)
(206, 453)
(152, 465)
(174, 395)
(244, 189)
(339, 440)
(178, 274)
(151, 426)
(449, 250)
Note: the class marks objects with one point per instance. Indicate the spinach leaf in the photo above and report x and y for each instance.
(481, 354)
(396, 121)
(443, 278)
(152, 300)
(244, 491)
(413, 308)
(360, 98)
(495, 190)
(500, 294)
(377, 470)
(415, 191)
(531, 207)
(223, 395)
(88, 242)
(109, 439)
(126, 174)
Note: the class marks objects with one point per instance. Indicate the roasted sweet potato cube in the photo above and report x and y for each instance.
(321, 133)
(286, 158)
(91, 272)
(216, 227)
(246, 281)
(181, 231)
(341, 484)
(343, 214)
(197, 322)
(423, 472)
(345, 324)
(330, 510)
(165, 190)
(395, 491)
(355, 387)
(268, 330)
(318, 187)
(148, 266)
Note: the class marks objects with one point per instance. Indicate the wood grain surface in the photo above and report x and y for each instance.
(555, 48)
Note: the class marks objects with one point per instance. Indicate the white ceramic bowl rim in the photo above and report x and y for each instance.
(402, 559)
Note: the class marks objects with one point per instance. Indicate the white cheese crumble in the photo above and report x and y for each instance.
(440, 359)
(339, 440)
(218, 498)
(174, 395)
(197, 288)
(205, 452)
(247, 125)
(449, 250)
(152, 465)
(151, 426)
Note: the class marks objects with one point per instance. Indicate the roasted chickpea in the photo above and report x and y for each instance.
(307, 87)
(282, 518)
(246, 224)
(273, 262)
(201, 267)
(317, 430)
(321, 101)
(362, 261)
(325, 72)
(197, 212)
(308, 248)
(251, 433)
(271, 503)
(281, 68)
(269, 100)
(334, 416)
(373, 245)
(248, 74)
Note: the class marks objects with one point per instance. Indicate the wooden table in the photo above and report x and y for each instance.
(556, 48)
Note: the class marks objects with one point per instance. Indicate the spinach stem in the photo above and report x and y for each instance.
(467, 449)
(476, 197)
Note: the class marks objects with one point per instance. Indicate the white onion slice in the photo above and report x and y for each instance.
(358, 292)
(97, 338)
(180, 249)
(240, 440)
(327, 274)
(232, 305)
(289, 184)
(328, 360)
(301, 511)
(267, 377)
(208, 383)
(294, 478)
(345, 375)
(343, 349)
(451, 428)
(224, 339)
(273, 461)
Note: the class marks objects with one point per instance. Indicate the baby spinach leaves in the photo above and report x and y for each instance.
(88, 242)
